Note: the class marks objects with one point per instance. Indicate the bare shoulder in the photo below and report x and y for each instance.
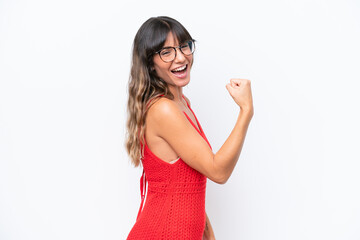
(178, 137)
(163, 110)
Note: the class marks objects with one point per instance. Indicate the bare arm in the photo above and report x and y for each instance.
(174, 127)
(227, 156)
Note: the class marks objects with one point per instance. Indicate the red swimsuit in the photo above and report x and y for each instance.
(173, 198)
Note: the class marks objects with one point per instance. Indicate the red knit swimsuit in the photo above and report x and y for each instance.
(173, 198)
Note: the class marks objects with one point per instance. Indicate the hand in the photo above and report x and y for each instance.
(208, 235)
(240, 91)
(208, 231)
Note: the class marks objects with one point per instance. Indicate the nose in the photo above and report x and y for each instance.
(180, 57)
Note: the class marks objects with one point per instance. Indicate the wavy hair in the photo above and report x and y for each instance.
(144, 84)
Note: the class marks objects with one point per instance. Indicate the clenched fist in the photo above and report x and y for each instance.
(240, 91)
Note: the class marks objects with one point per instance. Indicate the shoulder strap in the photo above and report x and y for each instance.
(186, 101)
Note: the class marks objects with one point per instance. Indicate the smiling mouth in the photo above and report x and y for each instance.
(180, 70)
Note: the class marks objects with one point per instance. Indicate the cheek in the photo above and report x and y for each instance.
(157, 65)
(161, 68)
(190, 59)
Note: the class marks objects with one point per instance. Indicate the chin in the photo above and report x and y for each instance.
(182, 82)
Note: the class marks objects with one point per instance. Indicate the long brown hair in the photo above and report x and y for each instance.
(144, 84)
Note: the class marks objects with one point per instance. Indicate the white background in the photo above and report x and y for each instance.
(64, 67)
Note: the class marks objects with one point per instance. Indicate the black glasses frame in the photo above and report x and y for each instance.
(179, 47)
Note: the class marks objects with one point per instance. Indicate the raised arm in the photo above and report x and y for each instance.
(174, 127)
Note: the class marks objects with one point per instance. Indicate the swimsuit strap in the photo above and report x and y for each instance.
(185, 100)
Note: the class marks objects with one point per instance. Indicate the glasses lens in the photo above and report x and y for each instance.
(188, 48)
(167, 54)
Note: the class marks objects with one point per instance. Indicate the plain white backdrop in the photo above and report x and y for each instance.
(64, 67)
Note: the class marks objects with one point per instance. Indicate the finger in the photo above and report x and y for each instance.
(230, 89)
(238, 81)
(228, 86)
(235, 82)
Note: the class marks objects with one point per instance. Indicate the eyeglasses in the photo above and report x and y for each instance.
(168, 54)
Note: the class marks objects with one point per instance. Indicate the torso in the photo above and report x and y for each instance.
(172, 195)
(156, 143)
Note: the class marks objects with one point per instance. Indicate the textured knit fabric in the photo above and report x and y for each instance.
(173, 198)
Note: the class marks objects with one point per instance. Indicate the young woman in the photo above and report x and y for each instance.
(164, 135)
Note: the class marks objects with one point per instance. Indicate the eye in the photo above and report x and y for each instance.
(164, 53)
(185, 45)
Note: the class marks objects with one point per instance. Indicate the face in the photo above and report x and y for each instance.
(166, 70)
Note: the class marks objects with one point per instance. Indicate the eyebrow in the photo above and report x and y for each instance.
(174, 46)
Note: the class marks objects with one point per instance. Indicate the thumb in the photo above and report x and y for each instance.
(228, 86)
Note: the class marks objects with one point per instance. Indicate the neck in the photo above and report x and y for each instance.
(177, 92)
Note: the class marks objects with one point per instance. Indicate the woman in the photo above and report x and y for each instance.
(164, 135)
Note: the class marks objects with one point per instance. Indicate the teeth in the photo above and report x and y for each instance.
(180, 68)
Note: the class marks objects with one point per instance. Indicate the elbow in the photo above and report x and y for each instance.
(221, 180)
(220, 177)
(218, 174)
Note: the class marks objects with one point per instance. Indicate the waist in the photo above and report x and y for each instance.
(177, 187)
